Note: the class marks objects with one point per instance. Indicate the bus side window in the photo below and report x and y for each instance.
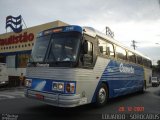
(106, 48)
(139, 60)
(145, 62)
(131, 57)
(102, 46)
(88, 57)
(149, 64)
(107, 51)
(90, 49)
(101, 49)
(121, 53)
(110, 50)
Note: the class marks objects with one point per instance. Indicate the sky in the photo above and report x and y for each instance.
(137, 20)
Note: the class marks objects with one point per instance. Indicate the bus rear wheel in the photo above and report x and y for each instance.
(101, 95)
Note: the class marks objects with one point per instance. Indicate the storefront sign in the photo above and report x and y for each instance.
(15, 23)
(13, 39)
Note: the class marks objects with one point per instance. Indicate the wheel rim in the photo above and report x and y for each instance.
(102, 95)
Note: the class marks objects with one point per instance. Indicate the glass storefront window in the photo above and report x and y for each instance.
(2, 59)
(10, 60)
(22, 60)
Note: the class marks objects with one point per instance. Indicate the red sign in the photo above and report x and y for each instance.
(24, 37)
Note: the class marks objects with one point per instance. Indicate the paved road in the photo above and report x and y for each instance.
(14, 104)
(11, 94)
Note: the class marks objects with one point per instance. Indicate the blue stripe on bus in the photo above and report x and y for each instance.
(122, 78)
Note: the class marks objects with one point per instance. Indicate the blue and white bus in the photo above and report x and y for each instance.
(73, 65)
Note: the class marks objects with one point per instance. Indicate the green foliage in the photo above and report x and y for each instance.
(156, 68)
(158, 63)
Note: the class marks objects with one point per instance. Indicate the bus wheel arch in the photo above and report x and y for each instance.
(102, 94)
(106, 83)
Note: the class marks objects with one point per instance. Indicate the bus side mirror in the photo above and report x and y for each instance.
(85, 47)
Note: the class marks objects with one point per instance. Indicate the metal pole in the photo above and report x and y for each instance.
(134, 44)
(24, 22)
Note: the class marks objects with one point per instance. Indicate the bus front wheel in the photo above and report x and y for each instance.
(101, 95)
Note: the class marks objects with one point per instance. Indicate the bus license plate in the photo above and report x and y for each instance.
(38, 96)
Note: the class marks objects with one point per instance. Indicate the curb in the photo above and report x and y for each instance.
(12, 88)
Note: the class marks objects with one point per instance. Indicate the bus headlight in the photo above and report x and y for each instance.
(70, 87)
(28, 82)
(58, 86)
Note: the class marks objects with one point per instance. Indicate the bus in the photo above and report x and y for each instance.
(3, 75)
(72, 66)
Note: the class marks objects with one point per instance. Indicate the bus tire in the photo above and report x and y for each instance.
(101, 95)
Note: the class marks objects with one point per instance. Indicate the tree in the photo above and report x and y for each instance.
(156, 68)
(158, 62)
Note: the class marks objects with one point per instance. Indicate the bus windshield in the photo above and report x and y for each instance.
(40, 48)
(64, 47)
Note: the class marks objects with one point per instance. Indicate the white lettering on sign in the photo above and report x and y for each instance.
(69, 28)
(126, 69)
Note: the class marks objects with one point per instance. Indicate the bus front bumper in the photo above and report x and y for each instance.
(59, 100)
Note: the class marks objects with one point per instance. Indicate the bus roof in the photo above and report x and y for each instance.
(93, 32)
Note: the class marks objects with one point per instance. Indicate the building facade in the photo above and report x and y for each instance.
(15, 48)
